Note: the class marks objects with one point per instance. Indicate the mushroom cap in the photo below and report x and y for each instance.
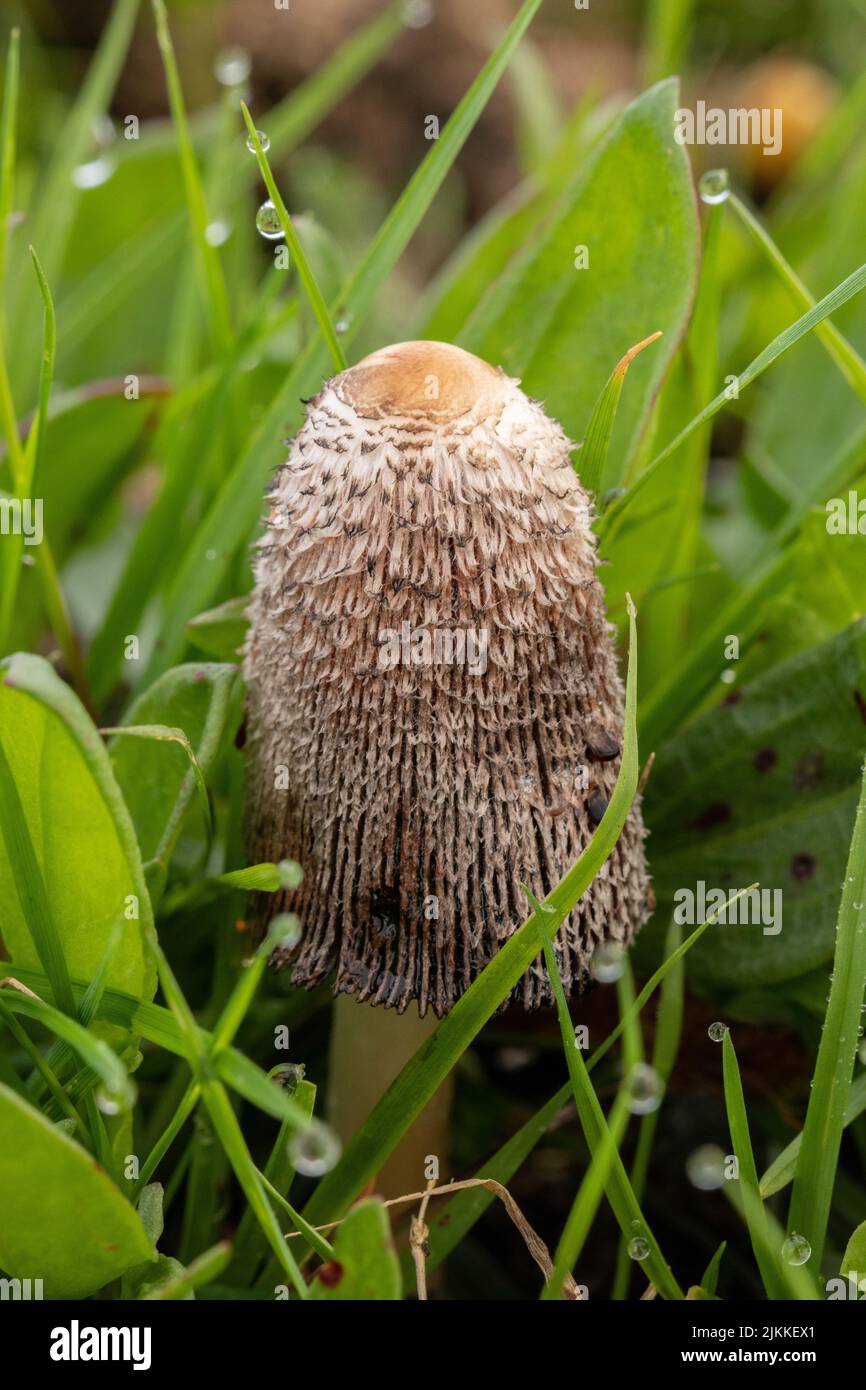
(434, 705)
(422, 380)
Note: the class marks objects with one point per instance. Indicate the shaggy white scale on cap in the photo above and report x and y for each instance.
(435, 766)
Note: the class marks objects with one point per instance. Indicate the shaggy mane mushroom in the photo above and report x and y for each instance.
(435, 711)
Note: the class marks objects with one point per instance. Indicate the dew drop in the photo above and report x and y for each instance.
(417, 14)
(288, 1075)
(94, 173)
(114, 1100)
(315, 1150)
(643, 1089)
(796, 1250)
(638, 1248)
(283, 933)
(103, 131)
(343, 324)
(218, 232)
(268, 221)
(608, 962)
(290, 873)
(714, 186)
(706, 1168)
(717, 1031)
(264, 141)
(232, 66)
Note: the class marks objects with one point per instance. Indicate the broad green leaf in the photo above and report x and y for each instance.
(221, 631)
(854, 1259)
(80, 831)
(62, 1220)
(559, 326)
(763, 789)
(365, 1265)
(155, 777)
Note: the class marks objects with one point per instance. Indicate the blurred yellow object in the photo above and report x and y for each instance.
(804, 94)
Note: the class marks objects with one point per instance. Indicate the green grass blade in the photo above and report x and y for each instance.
(831, 1083)
(456, 1217)
(588, 1199)
(166, 1139)
(31, 890)
(248, 1242)
(233, 515)
(159, 1026)
(42, 1068)
(206, 256)
(710, 1276)
(308, 280)
(93, 1051)
(794, 1281)
(57, 199)
(203, 1270)
(782, 343)
(8, 140)
(755, 1213)
(25, 469)
(667, 33)
(781, 1171)
(609, 1174)
(223, 1117)
(464, 1209)
(843, 353)
(593, 456)
(667, 1040)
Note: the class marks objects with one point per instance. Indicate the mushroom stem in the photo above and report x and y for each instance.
(369, 1047)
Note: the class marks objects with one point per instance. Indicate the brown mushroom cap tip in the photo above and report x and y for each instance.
(433, 380)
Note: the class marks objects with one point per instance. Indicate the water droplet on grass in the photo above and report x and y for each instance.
(264, 141)
(288, 1075)
(114, 1100)
(314, 1151)
(638, 1248)
(717, 1031)
(706, 1167)
(283, 933)
(608, 962)
(796, 1249)
(232, 66)
(93, 173)
(644, 1089)
(417, 13)
(215, 233)
(714, 186)
(268, 221)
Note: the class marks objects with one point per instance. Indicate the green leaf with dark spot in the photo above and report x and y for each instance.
(764, 790)
(365, 1265)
